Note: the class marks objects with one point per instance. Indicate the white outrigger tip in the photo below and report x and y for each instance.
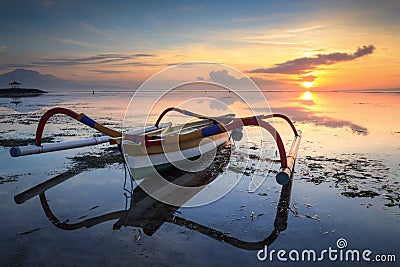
(18, 151)
(285, 174)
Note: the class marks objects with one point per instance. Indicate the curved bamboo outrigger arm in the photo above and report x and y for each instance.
(220, 236)
(280, 225)
(74, 226)
(79, 117)
(190, 114)
(228, 124)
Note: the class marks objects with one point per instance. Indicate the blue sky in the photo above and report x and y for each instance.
(238, 33)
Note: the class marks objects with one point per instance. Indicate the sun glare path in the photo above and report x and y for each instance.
(307, 96)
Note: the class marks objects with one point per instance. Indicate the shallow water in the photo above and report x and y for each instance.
(346, 185)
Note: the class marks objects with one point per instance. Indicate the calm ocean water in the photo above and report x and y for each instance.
(346, 186)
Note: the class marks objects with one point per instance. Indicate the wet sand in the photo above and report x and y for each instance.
(346, 185)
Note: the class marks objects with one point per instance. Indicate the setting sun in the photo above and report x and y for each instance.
(307, 84)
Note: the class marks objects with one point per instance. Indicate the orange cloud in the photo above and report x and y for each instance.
(306, 64)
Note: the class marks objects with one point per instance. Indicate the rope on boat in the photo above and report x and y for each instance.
(79, 117)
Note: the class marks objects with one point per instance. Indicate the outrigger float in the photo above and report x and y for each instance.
(163, 143)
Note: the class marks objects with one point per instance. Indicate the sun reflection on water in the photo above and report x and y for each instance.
(307, 96)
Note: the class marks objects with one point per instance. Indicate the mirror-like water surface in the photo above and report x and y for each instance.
(346, 185)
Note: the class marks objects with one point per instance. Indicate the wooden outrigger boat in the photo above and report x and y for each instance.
(165, 143)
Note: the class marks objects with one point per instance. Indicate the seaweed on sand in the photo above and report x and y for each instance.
(107, 156)
(363, 193)
(354, 175)
(4, 180)
(22, 142)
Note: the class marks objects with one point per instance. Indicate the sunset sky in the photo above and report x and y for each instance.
(325, 45)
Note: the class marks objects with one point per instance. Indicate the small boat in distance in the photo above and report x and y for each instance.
(164, 143)
(16, 91)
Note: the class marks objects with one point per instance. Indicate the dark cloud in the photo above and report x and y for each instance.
(109, 71)
(143, 55)
(306, 64)
(140, 64)
(15, 66)
(96, 59)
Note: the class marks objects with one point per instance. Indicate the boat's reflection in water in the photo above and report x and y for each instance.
(150, 214)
